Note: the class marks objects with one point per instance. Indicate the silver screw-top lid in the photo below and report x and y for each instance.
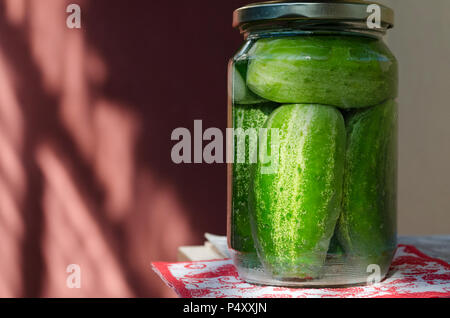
(338, 11)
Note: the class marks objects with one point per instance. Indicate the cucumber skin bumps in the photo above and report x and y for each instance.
(295, 209)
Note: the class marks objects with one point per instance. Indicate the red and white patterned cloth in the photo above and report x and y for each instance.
(413, 275)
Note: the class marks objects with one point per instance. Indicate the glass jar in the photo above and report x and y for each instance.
(313, 184)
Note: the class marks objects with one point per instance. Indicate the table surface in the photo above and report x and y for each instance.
(434, 246)
(413, 275)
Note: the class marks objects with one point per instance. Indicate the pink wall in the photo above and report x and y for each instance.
(85, 122)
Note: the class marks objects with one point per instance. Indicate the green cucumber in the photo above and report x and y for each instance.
(294, 210)
(343, 71)
(367, 227)
(245, 117)
(241, 94)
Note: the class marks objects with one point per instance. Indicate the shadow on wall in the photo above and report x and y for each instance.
(85, 123)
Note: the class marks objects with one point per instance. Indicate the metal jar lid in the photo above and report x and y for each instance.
(345, 11)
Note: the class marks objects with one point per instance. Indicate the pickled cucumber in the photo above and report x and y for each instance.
(241, 94)
(367, 226)
(342, 71)
(295, 209)
(245, 117)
